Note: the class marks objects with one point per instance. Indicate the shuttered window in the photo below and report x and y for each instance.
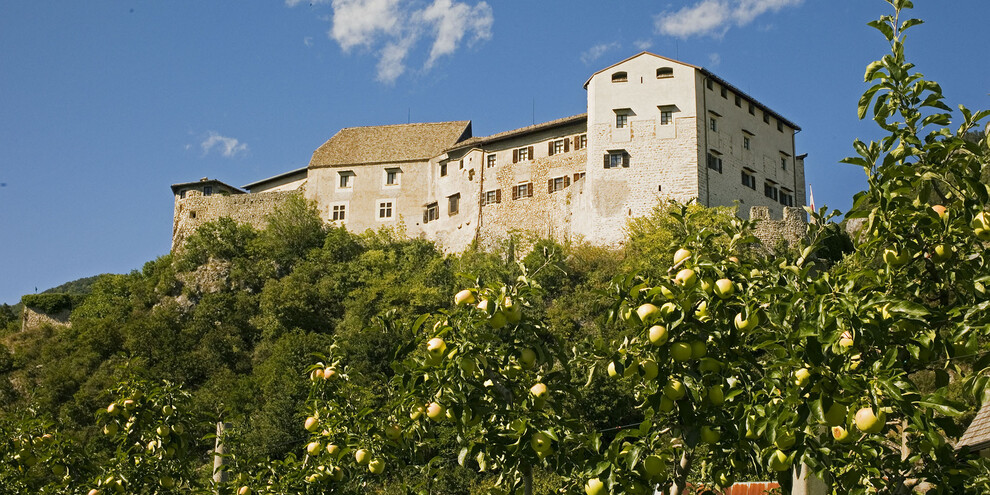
(522, 154)
(491, 197)
(524, 190)
(558, 184)
(616, 159)
(431, 213)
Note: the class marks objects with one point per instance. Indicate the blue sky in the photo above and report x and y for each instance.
(104, 104)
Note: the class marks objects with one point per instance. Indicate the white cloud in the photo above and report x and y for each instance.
(308, 41)
(229, 147)
(595, 52)
(393, 29)
(715, 17)
(644, 44)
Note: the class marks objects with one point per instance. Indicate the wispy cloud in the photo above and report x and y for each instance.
(643, 44)
(393, 29)
(715, 17)
(227, 146)
(308, 41)
(595, 52)
(714, 60)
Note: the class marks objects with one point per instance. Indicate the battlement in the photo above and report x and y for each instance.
(791, 227)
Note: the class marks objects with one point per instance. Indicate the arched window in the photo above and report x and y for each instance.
(665, 72)
(619, 77)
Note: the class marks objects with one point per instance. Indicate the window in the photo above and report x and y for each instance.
(338, 213)
(786, 198)
(666, 117)
(491, 197)
(738, 101)
(713, 124)
(491, 160)
(524, 190)
(749, 179)
(522, 154)
(182, 194)
(665, 72)
(715, 161)
(431, 213)
(192, 214)
(384, 210)
(766, 117)
(752, 109)
(207, 190)
(770, 190)
(558, 184)
(725, 93)
(443, 170)
(453, 204)
(621, 120)
(579, 176)
(615, 159)
(345, 180)
(580, 142)
(708, 83)
(619, 77)
(780, 125)
(746, 143)
(783, 162)
(558, 146)
(392, 176)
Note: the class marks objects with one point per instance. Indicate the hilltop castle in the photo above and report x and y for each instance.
(654, 128)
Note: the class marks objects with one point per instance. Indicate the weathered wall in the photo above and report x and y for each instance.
(792, 225)
(252, 209)
(31, 319)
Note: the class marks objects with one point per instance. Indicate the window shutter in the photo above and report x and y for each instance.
(515, 156)
(515, 192)
(426, 218)
(549, 185)
(606, 160)
(567, 181)
(577, 177)
(550, 148)
(567, 145)
(625, 160)
(531, 155)
(498, 195)
(577, 142)
(529, 189)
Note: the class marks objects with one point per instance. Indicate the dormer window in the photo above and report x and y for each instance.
(665, 72)
(207, 190)
(619, 77)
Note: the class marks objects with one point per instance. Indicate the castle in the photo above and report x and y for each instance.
(657, 127)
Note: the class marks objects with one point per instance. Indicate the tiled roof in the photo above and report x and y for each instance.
(204, 182)
(389, 143)
(301, 172)
(977, 436)
(521, 131)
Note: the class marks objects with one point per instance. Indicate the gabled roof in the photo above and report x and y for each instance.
(301, 172)
(475, 141)
(204, 182)
(710, 75)
(389, 143)
(977, 436)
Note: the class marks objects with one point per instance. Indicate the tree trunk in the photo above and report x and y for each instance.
(681, 471)
(528, 480)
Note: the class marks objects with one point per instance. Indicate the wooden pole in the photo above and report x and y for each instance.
(219, 460)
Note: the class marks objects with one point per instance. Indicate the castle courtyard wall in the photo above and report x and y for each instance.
(251, 209)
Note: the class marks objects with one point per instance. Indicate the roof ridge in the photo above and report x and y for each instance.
(445, 122)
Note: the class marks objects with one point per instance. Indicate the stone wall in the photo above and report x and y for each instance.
(792, 227)
(251, 209)
(31, 319)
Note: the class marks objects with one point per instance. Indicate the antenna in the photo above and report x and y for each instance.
(408, 115)
(534, 110)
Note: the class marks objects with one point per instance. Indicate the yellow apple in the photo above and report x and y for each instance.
(941, 253)
(594, 486)
(393, 432)
(686, 278)
(362, 456)
(312, 424)
(674, 390)
(650, 369)
(612, 369)
(541, 443)
(658, 335)
(841, 434)
(744, 323)
(436, 347)
(464, 297)
(896, 257)
(313, 448)
(527, 358)
(539, 391)
(724, 288)
(869, 422)
(435, 411)
(376, 466)
(681, 351)
(680, 255)
(332, 449)
(647, 313)
(416, 412)
(330, 374)
(802, 377)
(941, 211)
(244, 490)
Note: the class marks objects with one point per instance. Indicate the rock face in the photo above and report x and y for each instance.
(32, 320)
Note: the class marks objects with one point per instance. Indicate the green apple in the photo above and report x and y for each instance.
(710, 435)
(313, 448)
(716, 396)
(666, 405)
(594, 486)
(802, 377)
(498, 320)
(417, 412)
(393, 432)
(686, 278)
(896, 257)
(681, 351)
(332, 449)
(436, 348)
(167, 482)
(362, 456)
(541, 443)
(709, 365)
(512, 311)
(724, 478)
(613, 370)
(941, 253)
(724, 288)
(674, 390)
(658, 335)
(464, 297)
(869, 422)
(701, 312)
(435, 411)
(836, 414)
(649, 368)
(647, 313)
(841, 434)
(527, 358)
(699, 349)
(312, 424)
(654, 466)
(244, 490)
(376, 466)
(681, 255)
(539, 391)
(707, 285)
(744, 323)
(780, 461)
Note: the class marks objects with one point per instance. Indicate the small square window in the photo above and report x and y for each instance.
(725, 93)
(708, 83)
(786, 198)
(345, 180)
(582, 142)
(392, 177)
(615, 159)
(491, 197)
(766, 117)
(748, 179)
(746, 143)
(783, 162)
(666, 117)
(384, 210)
(780, 126)
(207, 190)
(431, 213)
(524, 190)
(558, 146)
(558, 184)
(443, 169)
(453, 204)
(752, 109)
(621, 120)
(713, 124)
(738, 101)
(715, 162)
(491, 160)
(339, 212)
(770, 190)
(523, 154)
